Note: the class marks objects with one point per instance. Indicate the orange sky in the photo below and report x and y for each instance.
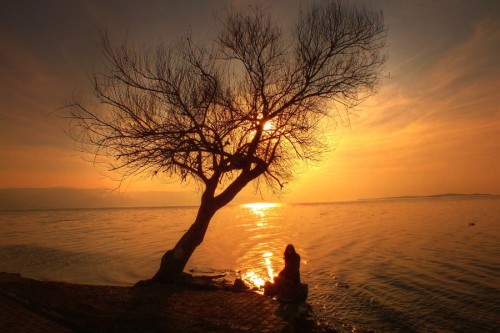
(433, 128)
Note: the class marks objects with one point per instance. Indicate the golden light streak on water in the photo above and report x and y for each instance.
(260, 208)
(257, 280)
(253, 279)
(267, 258)
(261, 205)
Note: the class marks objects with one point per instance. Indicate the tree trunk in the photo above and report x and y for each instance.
(174, 260)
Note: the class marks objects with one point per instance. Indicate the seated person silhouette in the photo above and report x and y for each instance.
(287, 286)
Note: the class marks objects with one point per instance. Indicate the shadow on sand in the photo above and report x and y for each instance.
(156, 308)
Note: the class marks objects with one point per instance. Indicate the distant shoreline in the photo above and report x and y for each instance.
(16, 202)
(442, 195)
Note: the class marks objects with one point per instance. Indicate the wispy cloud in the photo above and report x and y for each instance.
(438, 131)
(462, 83)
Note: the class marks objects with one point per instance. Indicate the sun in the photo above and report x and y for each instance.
(269, 126)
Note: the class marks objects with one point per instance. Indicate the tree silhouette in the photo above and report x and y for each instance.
(246, 107)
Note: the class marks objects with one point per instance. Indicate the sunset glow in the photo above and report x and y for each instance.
(431, 128)
(241, 165)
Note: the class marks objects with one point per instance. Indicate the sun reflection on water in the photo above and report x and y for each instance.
(267, 258)
(258, 280)
(260, 208)
(257, 273)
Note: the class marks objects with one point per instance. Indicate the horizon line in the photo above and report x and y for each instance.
(436, 196)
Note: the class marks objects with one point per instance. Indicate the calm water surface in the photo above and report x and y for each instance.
(420, 265)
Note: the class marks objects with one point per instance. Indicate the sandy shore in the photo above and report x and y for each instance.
(152, 308)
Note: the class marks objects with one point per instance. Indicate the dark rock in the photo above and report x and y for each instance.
(239, 285)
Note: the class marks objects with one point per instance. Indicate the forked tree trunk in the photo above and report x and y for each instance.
(174, 261)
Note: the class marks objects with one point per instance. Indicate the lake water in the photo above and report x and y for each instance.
(415, 265)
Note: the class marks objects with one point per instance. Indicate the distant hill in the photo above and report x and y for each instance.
(66, 198)
(442, 195)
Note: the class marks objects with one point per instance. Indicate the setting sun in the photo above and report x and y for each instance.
(269, 125)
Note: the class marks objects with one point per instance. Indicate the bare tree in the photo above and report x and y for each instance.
(247, 107)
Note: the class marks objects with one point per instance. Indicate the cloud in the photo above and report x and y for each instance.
(461, 84)
(32, 91)
(467, 78)
(436, 133)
